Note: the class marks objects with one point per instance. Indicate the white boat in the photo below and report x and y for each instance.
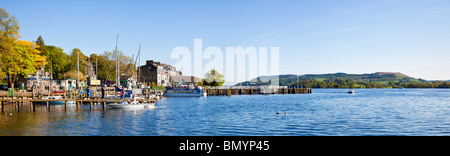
(132, 105)
(351, 91)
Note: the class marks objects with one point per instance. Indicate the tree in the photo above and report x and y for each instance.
(19, 58)
(70, 75)
(74, 58)
(107, 65)
(214, 78)
(8, 25)
(40, 41)
(9, 32)
(60, 61)
(41, 46)
(22, 61)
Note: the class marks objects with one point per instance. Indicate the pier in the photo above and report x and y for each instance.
(21, 97)
(79, 98)
(256, 90)
(20, 100)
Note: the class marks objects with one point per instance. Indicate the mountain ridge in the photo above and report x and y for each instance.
(344, 80)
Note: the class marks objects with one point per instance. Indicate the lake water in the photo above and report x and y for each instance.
(324, 112)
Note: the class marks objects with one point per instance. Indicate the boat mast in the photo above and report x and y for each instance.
(51, 74)
(117, 63)
(139, 65)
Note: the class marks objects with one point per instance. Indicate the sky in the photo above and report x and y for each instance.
(314, 37)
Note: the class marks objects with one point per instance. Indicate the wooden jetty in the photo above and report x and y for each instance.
(251, 91)
(20, 100)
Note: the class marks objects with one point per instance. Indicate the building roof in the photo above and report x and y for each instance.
(186, 79)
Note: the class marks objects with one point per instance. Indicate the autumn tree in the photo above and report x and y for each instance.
(8, 25)
(19, 58)
(22, 61)
(9, 32)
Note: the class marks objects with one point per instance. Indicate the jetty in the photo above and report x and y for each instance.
(17, 101)
(228, 91)
(18, 98)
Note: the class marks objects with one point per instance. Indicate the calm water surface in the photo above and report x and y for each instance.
(325, 112)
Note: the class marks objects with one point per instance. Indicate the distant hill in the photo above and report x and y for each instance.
(344, 80)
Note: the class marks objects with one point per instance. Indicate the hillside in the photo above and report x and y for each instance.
(344, 80)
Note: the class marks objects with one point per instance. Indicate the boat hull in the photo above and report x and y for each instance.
(58, 102)
(132, 106)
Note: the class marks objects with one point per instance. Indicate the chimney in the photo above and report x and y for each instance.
(149, 62)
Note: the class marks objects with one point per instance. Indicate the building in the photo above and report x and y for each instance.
(174, 80)
(39, 80)
(157, 73)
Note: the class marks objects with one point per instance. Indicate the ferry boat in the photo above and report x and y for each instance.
(184, 91)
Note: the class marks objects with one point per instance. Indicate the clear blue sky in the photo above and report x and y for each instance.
(314, 36)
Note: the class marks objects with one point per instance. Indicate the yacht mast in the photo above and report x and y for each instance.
(139, 64)
(117, 63)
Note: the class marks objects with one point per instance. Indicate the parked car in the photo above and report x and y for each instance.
(4, 87)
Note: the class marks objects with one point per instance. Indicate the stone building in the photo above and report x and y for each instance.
(156, 72)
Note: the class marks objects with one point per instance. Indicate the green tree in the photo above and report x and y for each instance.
(74, 58)
(214, 78)
(106, 68)
(40, 41)
(41, 46)
(59, 60)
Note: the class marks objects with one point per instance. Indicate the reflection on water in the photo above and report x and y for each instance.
(325, 112)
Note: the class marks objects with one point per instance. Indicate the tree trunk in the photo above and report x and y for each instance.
(11, 81)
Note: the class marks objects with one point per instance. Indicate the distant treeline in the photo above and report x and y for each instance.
(340, 83)
(343, 80)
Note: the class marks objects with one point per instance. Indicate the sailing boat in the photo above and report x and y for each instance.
(127, 104)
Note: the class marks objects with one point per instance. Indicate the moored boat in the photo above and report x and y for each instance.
(132, 105)
(184, 91)
(56, 102)
(351, 91)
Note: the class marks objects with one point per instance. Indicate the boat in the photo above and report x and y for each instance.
(351, 91)
(132, 105)
(55, 102)
(184, 91)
